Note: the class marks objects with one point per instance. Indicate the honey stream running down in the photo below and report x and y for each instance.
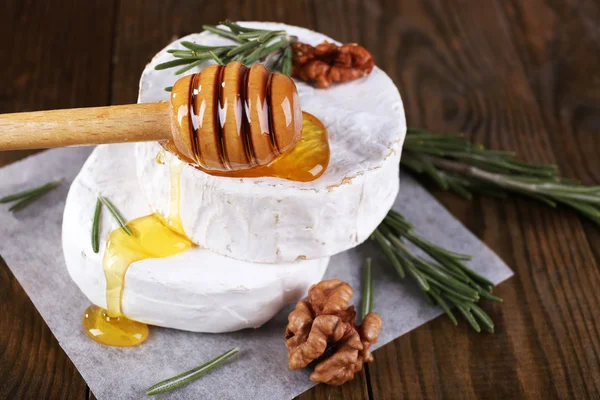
(157, 237)
(153, 237)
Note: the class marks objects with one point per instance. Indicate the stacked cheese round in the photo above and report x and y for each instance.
(262, 241)
(271, 220)
(197, 290)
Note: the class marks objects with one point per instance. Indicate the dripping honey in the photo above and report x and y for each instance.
(305, 162)
(155, 236)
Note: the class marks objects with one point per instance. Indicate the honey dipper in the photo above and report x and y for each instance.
(226, 118)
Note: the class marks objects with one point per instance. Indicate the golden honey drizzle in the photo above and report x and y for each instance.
(156, 237)
(306, 162)
(153, 237)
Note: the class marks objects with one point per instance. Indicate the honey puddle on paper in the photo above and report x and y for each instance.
(157, 237)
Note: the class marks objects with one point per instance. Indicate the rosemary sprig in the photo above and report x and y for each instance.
(366, 305)
(250, 46)
(457, 165)
(26, 197)
(96, 227)
(444, 278)
(182, 379)
(115, 213)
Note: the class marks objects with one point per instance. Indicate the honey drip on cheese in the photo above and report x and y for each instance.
(305, 162)
(153, 237)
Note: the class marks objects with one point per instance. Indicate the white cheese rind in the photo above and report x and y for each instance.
(196, 290)
(272, 220)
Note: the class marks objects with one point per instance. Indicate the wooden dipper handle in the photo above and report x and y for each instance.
(226, 118)
(85, 126)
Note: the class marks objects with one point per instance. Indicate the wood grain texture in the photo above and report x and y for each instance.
(56, 54)
(494, 70)
(512, 74)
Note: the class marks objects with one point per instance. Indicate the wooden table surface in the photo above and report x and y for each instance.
(512, 74)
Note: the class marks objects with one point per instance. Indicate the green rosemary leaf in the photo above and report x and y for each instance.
(469, 317)
(445, 281)
(494, 173)
(261, 36)
(253, 45)
(96, 226)
(115, 213)
(439, 274)
(411, 162)
(223, 33)
(430, 299)
(201, 48)
(235, 28)
(429, 248)
(190, 66)
(216, 58)
(25, 198)
(251, 35)
(485, 319)
(243, 48)
(387, 251)
(238, 28)
(168, 89)
(440, 301)
(263, 50)
(268, 35)
(472, 274)
(186, 54)
(434, 173)
(464, 295)
(193, 374)
(21, 204)
(589, 211)
(422, 281)
(458, 188)
(401, 227)
(173, 63)
(455, 273)
(29, 192)
(286, 66)
(366, 305)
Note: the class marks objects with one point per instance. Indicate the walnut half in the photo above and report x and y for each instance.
(327, 63)
(323, 330)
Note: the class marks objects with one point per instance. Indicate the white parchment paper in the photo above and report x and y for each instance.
(30, 243)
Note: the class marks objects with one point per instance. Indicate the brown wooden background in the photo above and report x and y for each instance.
(513, 74)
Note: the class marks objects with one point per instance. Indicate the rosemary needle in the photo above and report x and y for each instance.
(286, 66)
(444, 278)
(26, 197)
(115, 213)
(28, 192)
(186, 377)
(251, 46)
(366, 305)
(460, 166)
(95, 226)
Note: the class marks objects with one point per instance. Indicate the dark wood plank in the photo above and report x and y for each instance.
(512, 74)
(459, 67)
(33, 363)
(55, 55)
(568, 88)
